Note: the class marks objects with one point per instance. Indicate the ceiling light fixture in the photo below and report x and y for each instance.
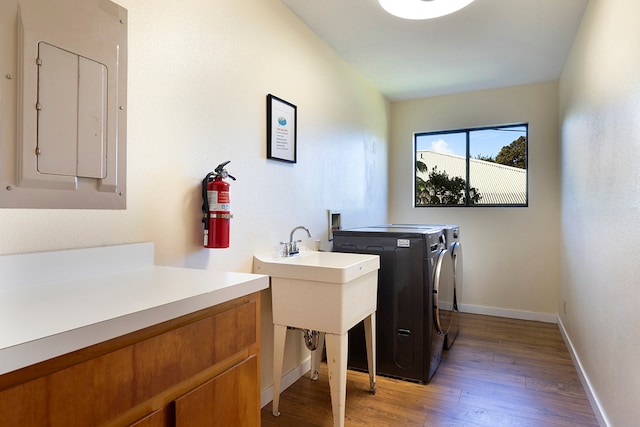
(422, 9)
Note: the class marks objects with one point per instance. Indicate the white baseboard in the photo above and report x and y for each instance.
(511, 314)
(289, 378)
(584, 379)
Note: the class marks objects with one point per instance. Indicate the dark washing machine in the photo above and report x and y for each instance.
(415, 298)
(452, 236)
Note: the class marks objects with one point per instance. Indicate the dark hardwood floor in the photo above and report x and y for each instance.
(499, 372)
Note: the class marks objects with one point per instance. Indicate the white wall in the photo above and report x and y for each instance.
(511, 265)
(600, 107)
(199, 73)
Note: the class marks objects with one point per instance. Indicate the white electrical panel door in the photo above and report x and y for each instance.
(71, 114)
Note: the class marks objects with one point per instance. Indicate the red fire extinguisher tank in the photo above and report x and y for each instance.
(216, 208)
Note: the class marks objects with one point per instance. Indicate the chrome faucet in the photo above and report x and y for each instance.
(291, 248)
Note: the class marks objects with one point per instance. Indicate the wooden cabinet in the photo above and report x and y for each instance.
(198, 370)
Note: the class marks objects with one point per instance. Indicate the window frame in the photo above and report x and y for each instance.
(468, 159)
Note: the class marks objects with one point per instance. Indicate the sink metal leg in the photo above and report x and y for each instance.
(316, 358)
(337, 346)
(279, 338)
(370, 338)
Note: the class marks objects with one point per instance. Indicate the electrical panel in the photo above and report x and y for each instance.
(63, 104)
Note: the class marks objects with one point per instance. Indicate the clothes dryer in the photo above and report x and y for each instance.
(452, 236)
(415, 287)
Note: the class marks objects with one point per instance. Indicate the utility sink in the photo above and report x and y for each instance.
(328, 292)
(333, 267)
(321, 291)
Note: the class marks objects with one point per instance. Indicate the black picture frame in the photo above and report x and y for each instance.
(282, 129)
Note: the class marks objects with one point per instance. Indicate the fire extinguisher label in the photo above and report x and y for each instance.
(218, 200)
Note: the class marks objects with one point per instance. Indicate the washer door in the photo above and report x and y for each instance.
(443, 292)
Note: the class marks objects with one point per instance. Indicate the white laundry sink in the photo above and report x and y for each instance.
(328, 292)
(322, 291)
(333, 267)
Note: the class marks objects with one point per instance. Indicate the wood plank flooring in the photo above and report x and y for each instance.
(499, 372)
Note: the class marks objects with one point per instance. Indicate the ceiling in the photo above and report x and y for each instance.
(488, 44)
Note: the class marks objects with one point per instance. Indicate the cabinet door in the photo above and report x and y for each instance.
(230, 399)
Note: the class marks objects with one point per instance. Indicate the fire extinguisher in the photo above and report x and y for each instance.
(216, 207)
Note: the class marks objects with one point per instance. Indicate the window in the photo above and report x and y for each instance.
(472, 167)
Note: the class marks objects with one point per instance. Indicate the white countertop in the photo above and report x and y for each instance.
(72, 308)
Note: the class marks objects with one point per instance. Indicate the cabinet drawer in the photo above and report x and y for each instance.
(230, 399)
(170, 358)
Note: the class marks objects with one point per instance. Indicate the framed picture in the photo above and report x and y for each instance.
(282, 128)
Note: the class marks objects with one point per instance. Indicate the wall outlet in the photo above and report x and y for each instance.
(564, 307)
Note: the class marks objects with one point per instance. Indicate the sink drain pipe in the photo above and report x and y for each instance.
(311, 338)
